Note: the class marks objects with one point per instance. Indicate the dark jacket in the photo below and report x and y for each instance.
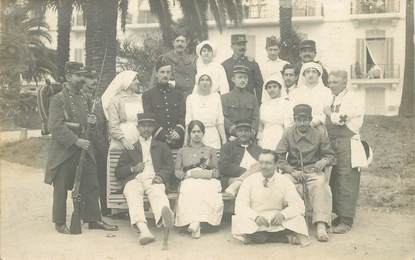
(168, 105)
(231, 155)
(161, 157)
(65, 107)
(239, 104)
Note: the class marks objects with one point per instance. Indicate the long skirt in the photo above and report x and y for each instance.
(199, 200)
(242, 225)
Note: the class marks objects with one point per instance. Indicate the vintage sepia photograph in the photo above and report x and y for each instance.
(207, 129)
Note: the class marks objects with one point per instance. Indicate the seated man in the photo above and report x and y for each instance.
(268, 207)
(303, 153)
(145, 170)
(239, 158)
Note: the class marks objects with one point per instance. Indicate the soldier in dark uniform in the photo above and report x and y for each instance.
(240, 103)
(307, 54)
(255, 81)
(168, 105)
(68, 114)
(184, 64)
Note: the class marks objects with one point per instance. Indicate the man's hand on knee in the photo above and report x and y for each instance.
(320, 165)
(157, 180)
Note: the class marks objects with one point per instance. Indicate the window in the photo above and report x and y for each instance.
(374, 57)
(375, 6)
(79, 55)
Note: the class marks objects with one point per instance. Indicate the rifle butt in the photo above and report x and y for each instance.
(75, 227)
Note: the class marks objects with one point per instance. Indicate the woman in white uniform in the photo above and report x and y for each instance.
(275, 116)
(206, 64)
(121, 105)
(206, 106)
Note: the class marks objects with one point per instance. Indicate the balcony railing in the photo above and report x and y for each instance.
(382, 71)
(269, 9)
(375, 6)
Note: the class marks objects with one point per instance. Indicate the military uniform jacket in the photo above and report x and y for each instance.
(65, 107)
(184, 71)
(255, 80)
(168, 105)
(237, 105)
(231, 155)
(162, 160)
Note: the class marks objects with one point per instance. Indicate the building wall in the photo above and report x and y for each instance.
(334, 29)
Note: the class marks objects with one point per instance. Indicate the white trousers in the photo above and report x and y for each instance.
(134, 191)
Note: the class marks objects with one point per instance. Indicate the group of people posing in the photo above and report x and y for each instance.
(278, 140)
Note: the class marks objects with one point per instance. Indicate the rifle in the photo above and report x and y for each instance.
(306, 196)
(75, 227)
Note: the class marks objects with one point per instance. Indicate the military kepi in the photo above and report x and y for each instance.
(146, 117)
(240, 69)
(161, 62)
(243, 123)
(238, 38)
(308, 44)
(302, 110)
(74, 67)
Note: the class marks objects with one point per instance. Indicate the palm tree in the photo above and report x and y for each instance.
(101, 27)
(100, 38)
(24, 49)
(64, 9)
(406, 108)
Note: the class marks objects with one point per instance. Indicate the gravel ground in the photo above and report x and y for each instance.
(27, 233)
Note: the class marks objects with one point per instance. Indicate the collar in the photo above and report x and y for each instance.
(307, 135)
(238, 58)
(141, 139)
(190, 145)
(341, 94)
(163, 87)
(71, 90)
(243, 145)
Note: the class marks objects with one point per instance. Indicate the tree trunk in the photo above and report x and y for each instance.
(406, 108)
(64, 34)
(100, 39)
(286, 29)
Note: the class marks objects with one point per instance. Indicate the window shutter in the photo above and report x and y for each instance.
(360, 65)
(390, 67)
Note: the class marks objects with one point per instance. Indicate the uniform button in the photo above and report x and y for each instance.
(168, 115)
(167, 109)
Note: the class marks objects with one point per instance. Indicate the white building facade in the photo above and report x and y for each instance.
(366, 38)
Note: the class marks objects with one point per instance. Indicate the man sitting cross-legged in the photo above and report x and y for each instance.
(303, 153)
(145, 170)
(268, 207)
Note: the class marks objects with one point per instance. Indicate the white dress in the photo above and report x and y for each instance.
(275, 115)
(208, 110)
(122, 119)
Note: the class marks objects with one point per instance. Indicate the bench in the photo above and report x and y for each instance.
(115, 198)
